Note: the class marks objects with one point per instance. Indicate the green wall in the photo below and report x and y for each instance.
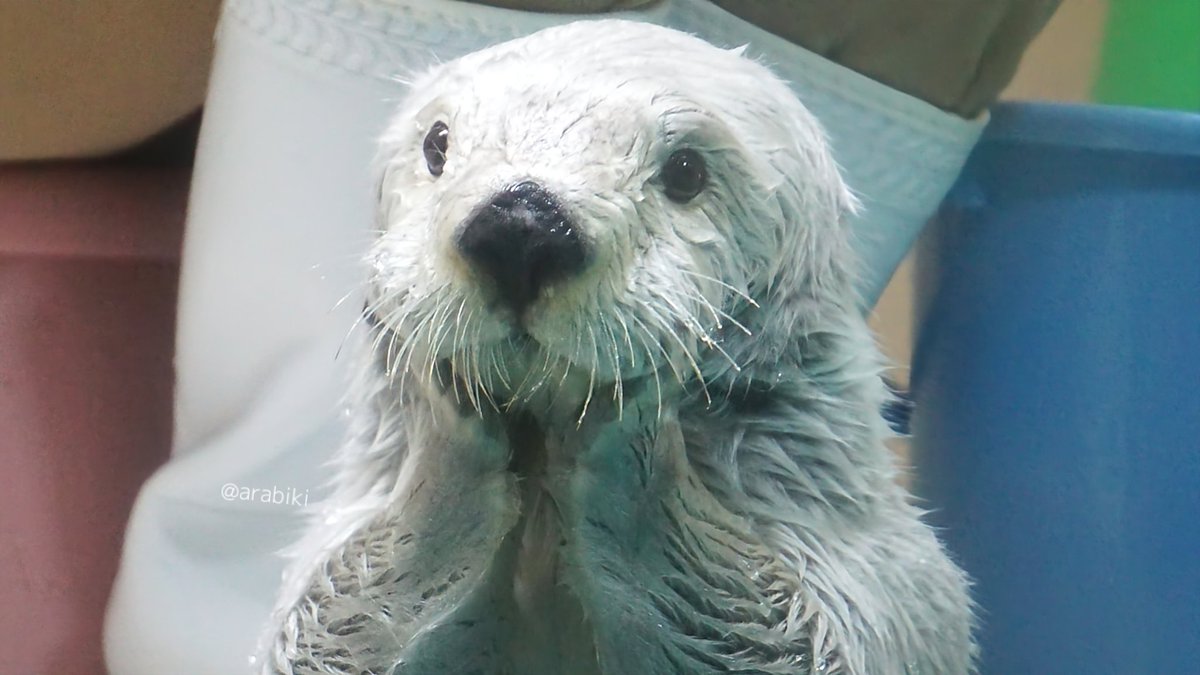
(1151, 54)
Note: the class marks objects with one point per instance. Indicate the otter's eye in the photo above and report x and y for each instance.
(436, 143)
(684, 175)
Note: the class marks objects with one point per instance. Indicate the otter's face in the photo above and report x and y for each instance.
(606, 217)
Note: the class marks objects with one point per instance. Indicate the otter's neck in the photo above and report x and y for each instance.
(797, 430)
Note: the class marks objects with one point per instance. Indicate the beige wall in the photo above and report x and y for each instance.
(1059, 66)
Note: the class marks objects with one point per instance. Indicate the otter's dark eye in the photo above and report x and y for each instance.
(684, 175)
(436, 143)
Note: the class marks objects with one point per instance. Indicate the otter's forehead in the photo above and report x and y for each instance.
(566, 103)
(548, 111)
(604, 81)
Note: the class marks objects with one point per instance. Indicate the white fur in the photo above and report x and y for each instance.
(709, 489)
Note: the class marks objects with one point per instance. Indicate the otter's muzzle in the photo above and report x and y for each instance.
(524, 241)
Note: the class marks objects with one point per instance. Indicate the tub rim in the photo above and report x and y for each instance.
(1095, 127)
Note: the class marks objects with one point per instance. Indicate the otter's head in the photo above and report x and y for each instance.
(606, 198)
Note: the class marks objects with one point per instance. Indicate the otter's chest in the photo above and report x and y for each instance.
(550, 631)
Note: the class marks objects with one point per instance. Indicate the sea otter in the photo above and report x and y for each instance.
(617, 410)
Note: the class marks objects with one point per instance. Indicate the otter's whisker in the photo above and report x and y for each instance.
(342, 300)
(719, 314)
(387, 298)
(414, 339)
(713, 344)
(519, 391)
(591, 376)
(482, 388)
(683, 316)
(466, 377)
(486, 375)
(687, 354)
(455, 378)
(547, 369)
(473, 381)
(653, 339)
(499, 371)
(394, 355)
(566, 367)
(703, 302)
(653, 369)
(578, 338)
(456, 341)
(695, 368)
(387, 359)
(696, 329)
(378, 340)
(574, 358)
(619, 386)
(443, 333)
(724, 284)
(350, 331)
(436, 326)
(628, 339)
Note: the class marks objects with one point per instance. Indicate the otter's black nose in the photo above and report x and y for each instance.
(523, 241)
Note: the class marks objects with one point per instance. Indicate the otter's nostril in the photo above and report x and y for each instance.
(523, 241)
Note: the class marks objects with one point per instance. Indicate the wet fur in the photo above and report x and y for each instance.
(682, 469)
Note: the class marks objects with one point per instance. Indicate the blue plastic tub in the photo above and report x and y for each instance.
(1057, 386)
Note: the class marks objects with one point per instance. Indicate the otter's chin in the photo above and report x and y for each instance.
(522, 373)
